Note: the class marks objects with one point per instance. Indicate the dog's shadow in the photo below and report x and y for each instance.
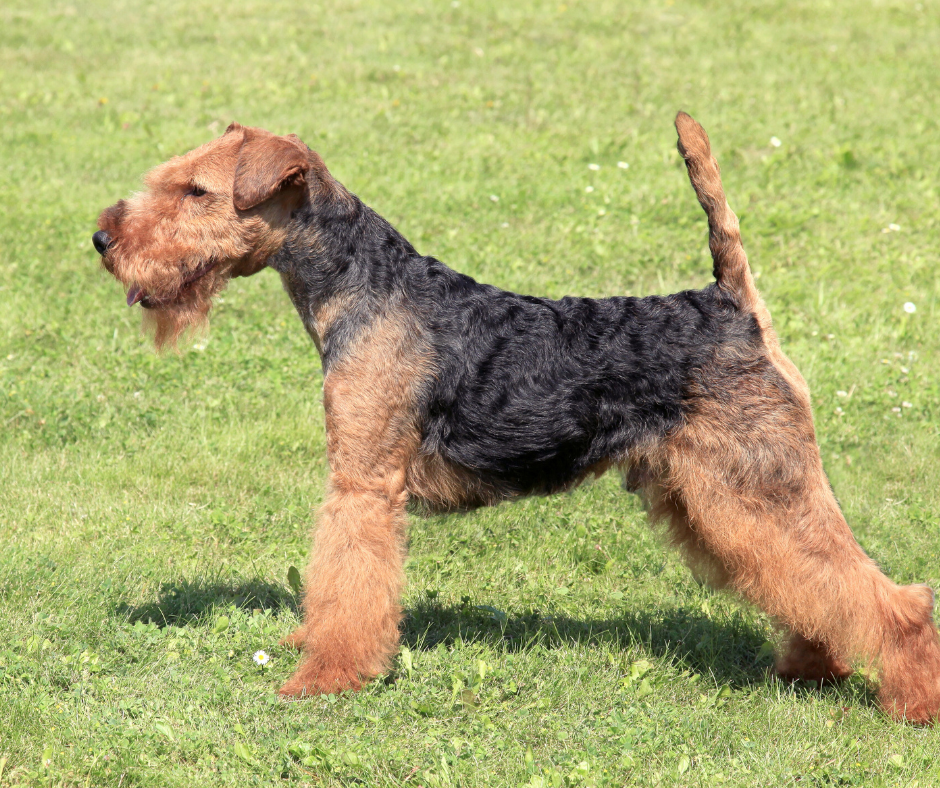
(732, 652)
(186, 602)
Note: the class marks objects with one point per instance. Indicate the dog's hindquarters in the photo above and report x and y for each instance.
(742, 486)
(756, 515)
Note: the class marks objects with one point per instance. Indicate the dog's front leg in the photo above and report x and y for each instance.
(354, 581)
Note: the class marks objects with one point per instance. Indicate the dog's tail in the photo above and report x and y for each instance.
(724, 235)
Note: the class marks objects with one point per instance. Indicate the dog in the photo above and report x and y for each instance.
(455, 394)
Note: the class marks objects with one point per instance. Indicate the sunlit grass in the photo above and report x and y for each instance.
(151, 507)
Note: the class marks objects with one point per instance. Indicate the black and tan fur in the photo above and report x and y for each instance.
(457, 394)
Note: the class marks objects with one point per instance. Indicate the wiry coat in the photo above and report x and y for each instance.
(458, 394)
(528, 394)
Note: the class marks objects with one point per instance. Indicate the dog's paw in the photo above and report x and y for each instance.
(295, 690)
(306, 682)
(806, 660)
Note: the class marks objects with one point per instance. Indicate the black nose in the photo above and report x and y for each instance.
(102, 241)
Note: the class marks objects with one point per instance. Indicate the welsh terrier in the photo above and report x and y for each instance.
(456, 394)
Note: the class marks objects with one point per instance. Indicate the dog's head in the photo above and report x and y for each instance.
(216, 212)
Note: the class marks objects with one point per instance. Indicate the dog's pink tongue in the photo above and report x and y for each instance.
(134, 295)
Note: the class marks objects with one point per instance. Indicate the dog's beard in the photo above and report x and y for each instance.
(185, 317)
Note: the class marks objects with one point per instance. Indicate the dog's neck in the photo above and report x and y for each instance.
(341, 264)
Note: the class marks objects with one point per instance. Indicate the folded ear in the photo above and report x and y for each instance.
(266, 163)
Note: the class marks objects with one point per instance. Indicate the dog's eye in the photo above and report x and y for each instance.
(195, 191)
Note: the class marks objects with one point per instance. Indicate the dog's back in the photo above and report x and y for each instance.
(531, 394)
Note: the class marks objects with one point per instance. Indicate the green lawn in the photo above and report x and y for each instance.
(150, 507)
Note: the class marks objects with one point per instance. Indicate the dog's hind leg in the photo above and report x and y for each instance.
(810, 660)
(797, 560)
(800, 658)
(747, 471)
(669, 509)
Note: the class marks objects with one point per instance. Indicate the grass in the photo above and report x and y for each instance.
(150, 508)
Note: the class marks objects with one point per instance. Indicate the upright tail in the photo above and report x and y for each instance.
(724, 235)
